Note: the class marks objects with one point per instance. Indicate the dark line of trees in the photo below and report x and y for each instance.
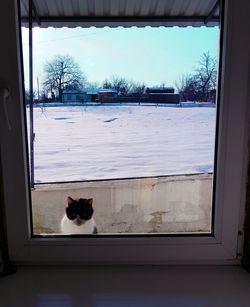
(64, 73)
(124, 87)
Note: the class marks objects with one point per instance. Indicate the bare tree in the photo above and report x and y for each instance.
(137, 89)
(62, 72)
(123, 86)
(93, 84)
(118, 83)
(107, 84)
(200, 86)
(206, 76)
(187, 87)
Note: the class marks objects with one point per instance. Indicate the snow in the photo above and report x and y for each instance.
(105, 142)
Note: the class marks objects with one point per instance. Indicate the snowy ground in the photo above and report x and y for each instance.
(99, 142)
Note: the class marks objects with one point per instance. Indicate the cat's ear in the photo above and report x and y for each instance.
(70, 200)
(90, 201)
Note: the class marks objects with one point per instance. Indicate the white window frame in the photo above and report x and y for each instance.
(222, 247)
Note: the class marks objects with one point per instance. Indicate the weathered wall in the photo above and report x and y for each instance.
(169, 204)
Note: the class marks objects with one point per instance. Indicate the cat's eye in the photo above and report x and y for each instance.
(71, 215)
(85, 215)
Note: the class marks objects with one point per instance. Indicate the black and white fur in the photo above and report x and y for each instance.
(78, 218)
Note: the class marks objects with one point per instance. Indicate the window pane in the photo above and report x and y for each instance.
(125, 117)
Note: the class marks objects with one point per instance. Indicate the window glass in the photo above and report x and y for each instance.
(128, 128)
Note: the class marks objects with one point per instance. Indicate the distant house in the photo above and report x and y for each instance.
(73, 96)
(87, 95)
(162, 95)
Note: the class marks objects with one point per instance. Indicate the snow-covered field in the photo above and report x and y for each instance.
(100, 142)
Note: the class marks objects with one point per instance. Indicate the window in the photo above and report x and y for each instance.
(218, 247)
(145, 153)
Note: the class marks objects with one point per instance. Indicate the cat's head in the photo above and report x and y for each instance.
(79, 210)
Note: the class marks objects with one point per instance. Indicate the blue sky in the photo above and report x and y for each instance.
(149, 55)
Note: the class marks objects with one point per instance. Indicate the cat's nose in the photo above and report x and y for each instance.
(78, 220)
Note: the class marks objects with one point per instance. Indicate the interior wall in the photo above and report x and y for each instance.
(1, 225)
(10, 81)
(246, 247)
(4, 256)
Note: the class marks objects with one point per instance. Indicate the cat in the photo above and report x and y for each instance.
(78, 218)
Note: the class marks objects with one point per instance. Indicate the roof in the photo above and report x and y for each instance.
(74, 92)
(160, 90)
(107, 90)
(127, 13)
(90, 91)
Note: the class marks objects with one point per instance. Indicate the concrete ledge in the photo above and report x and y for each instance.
(172, 204)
